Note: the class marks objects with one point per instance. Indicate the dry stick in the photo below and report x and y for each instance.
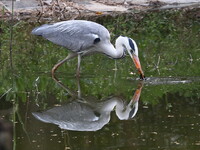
(41, 13)
(11, 66)
(157, 65)
(11, 36)
(1, 51)
(191, 59)
(58, 5)
(1, 38)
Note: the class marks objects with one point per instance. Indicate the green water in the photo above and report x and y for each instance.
(168, 114)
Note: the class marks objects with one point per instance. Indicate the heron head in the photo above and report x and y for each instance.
(132, 50)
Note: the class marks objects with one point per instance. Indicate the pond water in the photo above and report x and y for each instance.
(108, 107)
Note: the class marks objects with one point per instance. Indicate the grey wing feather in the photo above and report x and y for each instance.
(75, 35)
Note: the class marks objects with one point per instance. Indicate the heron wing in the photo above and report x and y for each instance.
(76, 35)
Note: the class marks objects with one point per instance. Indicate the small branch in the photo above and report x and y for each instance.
(40, 12)
(5, 93)
(157, 65)
(191, 59)
(11, 36)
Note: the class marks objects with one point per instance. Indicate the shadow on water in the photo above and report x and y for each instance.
(172, 123)
(85, 114)
(170, 80)
(167, 115)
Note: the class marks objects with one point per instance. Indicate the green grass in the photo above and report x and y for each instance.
(168, 44)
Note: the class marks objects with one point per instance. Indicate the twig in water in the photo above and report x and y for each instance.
(0, 51)
(157, 65)
(37, 90)
(191, 59)
(5, 93)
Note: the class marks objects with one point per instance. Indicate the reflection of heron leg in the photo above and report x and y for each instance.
(78, 68)
(79, 88)
(70, 56)
(115, 69)
(115, 65)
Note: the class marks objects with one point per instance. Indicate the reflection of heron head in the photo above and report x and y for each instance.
(128, 112)
(131, 113)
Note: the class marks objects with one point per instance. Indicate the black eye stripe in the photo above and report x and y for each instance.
(131, 44)
(131, 113)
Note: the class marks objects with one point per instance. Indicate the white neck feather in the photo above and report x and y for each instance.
(121, 42)
(122, 110)
(121, 45)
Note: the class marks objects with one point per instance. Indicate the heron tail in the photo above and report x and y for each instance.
(40, 30)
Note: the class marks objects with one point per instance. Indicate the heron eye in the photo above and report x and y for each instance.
(96, 40)
(132, 51)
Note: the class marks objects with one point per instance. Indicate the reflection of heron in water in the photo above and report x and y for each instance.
(83, 115)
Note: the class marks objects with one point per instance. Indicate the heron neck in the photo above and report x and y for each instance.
(112, 52)
(120, 45)
(119, 52)
(115, 52)
(122, 110)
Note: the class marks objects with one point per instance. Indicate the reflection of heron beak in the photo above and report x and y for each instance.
(138, 66)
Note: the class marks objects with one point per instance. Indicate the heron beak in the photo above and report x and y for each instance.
(138, 66)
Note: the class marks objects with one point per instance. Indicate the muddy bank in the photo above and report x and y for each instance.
(56, 10)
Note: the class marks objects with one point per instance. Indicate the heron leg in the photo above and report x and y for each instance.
(78, 67)
(70, 56)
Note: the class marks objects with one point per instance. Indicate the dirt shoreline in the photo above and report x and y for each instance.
(57, 10)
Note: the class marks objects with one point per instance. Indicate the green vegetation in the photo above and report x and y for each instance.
(168, 44)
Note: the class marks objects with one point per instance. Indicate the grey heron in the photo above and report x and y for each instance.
(83, 37)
